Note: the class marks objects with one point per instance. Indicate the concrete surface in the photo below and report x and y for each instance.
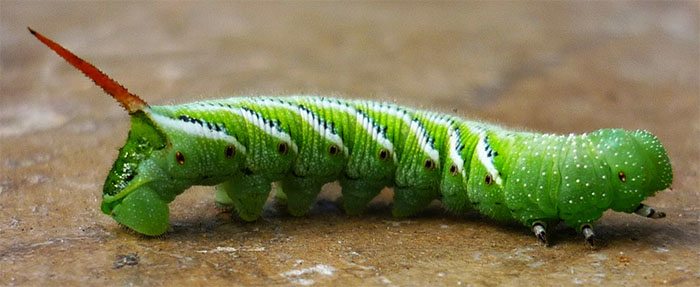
(555, 67)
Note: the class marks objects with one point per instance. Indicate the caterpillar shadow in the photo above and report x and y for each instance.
(611, 231)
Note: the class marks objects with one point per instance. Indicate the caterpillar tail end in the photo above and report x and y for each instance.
(142, 211)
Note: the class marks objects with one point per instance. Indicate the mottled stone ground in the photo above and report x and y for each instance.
(554, 67)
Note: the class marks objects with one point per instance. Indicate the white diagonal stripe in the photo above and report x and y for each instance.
(424, 141)
(250, 117)
(414, 126)
(195, 130)
(364, 121)
(309, 117)
(482, 148)
(454, 155)
(258, 121)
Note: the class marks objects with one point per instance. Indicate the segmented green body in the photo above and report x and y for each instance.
(245, 144)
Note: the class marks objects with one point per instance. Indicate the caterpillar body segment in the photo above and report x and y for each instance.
(243, 145)
(509, 176)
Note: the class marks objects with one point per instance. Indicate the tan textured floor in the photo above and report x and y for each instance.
(551, 67)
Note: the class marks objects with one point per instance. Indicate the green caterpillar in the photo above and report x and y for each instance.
(243, 145)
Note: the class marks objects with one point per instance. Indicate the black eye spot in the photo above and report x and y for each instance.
(429, 164)
(333, 149)
(621, 175)
(383, 154)
(230, 151)
(282, 148)
(180, 158)
(453, 169)
(488, 179)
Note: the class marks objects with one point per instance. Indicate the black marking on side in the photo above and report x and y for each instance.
(490, 152)
(318, 120)
(275, 124)
(430, 140)
(381, 130)
(211, 126)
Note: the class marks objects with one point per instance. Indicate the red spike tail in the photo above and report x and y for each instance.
(129, 101)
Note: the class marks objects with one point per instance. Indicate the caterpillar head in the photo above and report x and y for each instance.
(639, 165)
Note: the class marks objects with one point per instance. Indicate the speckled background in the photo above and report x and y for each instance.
(553, 67)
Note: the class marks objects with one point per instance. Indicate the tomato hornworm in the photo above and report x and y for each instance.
(243, 145)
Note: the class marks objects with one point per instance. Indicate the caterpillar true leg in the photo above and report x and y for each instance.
(588, 233)
(540, 231)
(648, 211)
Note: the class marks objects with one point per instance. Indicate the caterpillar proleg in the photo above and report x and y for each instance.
(242, 145)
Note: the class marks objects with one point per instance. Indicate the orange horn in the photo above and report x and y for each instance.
(132, 103)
